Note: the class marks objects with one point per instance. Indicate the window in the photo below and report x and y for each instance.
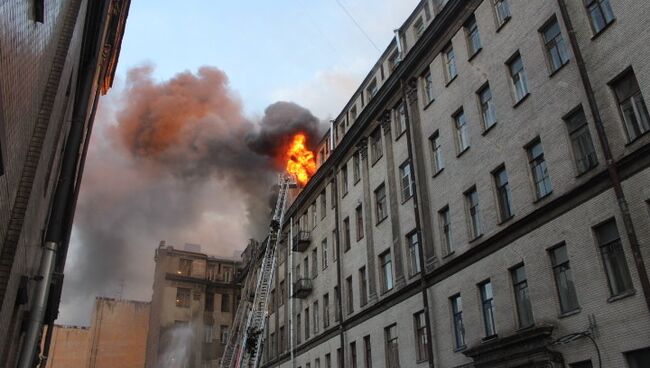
(317, 363)
(518, 78)
(272, 345)
(502, 10)
(344, 180)
(380, 203)
(281, 293)
(488, 110)
(638, 358)
(632, 106)
(376, 150)
(183, 297)
(363, 286)
(184, 267)
(328, 361)
(504, 198)
(473, 39)
(584, 364)
(414, 252)
(522, 299)
(272, 301)
(356, 167)
(539, 170)
(427, 86)
(359, 217)
(225, 303)
(438, 162)
(393, 60)
(39, 11)
(350, 295)
(283, 343)
(487, 307)
(298, 328)
(336, 304)
(335, 245)
(445, 226)
(406, 181)
(209, 302)
(353, 354)
(556, 50)
(457, 320)
(316, 317)
(600, 13)
(326, 311)
(207, 333)
(367, 355)
(307, 323)
(471, 196)
(353, 114)
(314, 263)
(225, 332)
(372, 89)
(581, 144)
(462, 135)
(386, 264)
(346, 234)
(332, 194)
(420, 327)
(324, 253)
(323, 205)
(563, 279)
(392, 347)
(314, 219)
(418, 28)
(400, 119)
(339, 357)
(611, 251)
(450, 63)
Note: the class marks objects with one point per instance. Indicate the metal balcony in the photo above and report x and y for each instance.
(301, 241)
(302, 288)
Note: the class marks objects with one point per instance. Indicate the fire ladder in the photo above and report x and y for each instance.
(245, 344)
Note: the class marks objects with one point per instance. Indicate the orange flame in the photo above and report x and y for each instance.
(300, 160)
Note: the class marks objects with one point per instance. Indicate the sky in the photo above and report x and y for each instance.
(209, 75)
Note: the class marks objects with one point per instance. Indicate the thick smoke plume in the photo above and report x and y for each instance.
(174, 160)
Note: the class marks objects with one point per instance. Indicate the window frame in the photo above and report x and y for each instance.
(501, 19)
(461, 131)
(449, 63)
(391, 347)
(444, 218)
(582, 161)
(518, 285)
(381, 204)
(563, 266)
(406, 191)
(386, 267)
(606, 23)
(421, 341)
(438, 160)
(472, 36)
(414, 251)
(358, 215)
(630, 75)
(521, 80)
(487, 107)
(472, 203)
(557, 42)
(625, 275)
(376, 146)
(503, 194)
(457, 325)
(487, 309)
(533, 163)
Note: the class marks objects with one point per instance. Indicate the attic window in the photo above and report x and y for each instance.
(39, 11)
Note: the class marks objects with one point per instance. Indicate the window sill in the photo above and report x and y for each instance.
(521, 100)
(462, 152)
(631, 142)
(580, 174)
(539, 199)
(474, 239)
(554, 72)
(597, 34)
(380, 221)
(624, 295)
(450, 81)
(343, 195)
(359, 239)
(448, 255)
(570, 313)
(488, 129)
(438, 172)
(400, 134)
(505, 21)
(376, 160)
(505, 220)
(407, 199)
(475, 53)
(525, 328)
(357, 181)
(489, 338)
(460, 348)
(429, 104)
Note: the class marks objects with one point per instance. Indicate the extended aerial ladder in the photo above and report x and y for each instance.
(246, 341)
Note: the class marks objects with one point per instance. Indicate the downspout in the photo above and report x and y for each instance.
(418, 229)
(610, 161)
(290, 301)
(336, 250)
(57, 226)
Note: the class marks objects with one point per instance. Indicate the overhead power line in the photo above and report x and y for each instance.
(358, 25)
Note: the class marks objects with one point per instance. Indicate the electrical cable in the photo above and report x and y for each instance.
(358, 25)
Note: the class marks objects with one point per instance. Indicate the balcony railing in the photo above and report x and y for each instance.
(301, 241)
(302, 288)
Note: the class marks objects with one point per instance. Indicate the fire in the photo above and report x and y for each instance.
(300, 160)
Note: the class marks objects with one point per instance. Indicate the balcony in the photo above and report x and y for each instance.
(302, 288)
(301, 241)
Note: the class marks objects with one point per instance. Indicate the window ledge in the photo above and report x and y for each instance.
(344, 194)
(554, 72)
(475, 53)
(438, 172)
(474, 239)
(448, 255)
(505, 220)
(624, 295)
(380, 221)
(462, 152)
(637, 138)
(570, 313)
(521, 100)
(539, 199)
(376, 160)
(429, 104)
(488, 129)
(460, 348)
(525, 328)
(489, 338)
(407, 199)
(580, 174)
(400, 134)
(357, 181)
(505, 21)
(451, 80)
(597, 34)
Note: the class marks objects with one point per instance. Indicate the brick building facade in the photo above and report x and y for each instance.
(482, 200)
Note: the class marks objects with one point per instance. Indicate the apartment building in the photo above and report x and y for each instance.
(195, 297)
(483, 200)
(56, 58)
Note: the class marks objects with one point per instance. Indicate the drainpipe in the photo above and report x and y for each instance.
(610, 161)
(290, 301)
(398, 40)
(336, 249)
(418, 228)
